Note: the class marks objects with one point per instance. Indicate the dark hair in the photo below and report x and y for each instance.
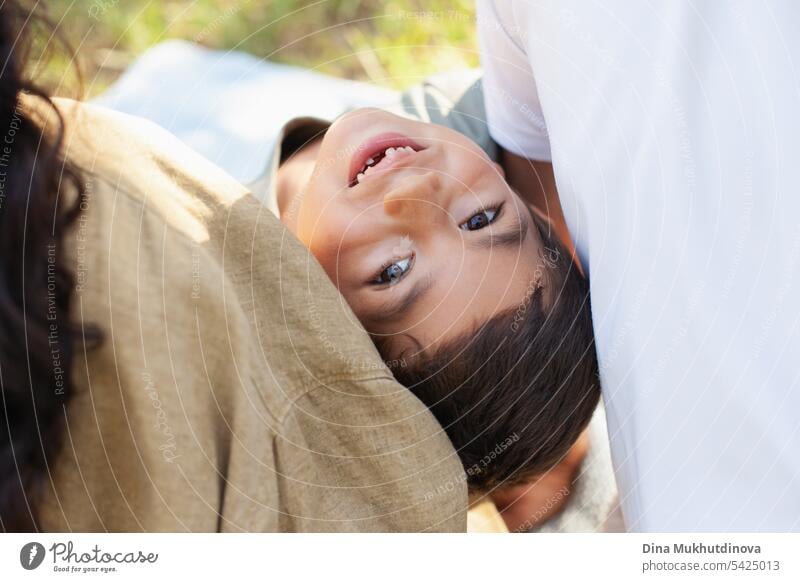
(37, 340)
(514, 395)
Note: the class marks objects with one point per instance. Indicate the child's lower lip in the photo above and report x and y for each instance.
(374, 146)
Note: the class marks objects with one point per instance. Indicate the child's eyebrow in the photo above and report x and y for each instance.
(512, 236)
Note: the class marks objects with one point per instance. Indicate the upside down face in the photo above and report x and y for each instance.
(417, 228)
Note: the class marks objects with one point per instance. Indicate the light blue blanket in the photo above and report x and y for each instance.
(229, 106)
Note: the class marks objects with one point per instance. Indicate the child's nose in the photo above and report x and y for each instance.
(415, 197)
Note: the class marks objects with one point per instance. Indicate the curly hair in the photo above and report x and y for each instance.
(38, 341)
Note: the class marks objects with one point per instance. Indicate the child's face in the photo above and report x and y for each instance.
(427, 244)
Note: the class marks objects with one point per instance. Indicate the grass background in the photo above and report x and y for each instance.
(394, 43)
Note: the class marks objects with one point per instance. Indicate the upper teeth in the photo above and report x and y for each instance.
(388, 152)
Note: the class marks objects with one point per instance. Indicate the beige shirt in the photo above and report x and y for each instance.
(234, 390)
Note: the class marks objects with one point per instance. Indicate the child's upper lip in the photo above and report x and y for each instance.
(375, 148)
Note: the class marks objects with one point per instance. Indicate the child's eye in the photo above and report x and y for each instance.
(393, 272)
(481, 219)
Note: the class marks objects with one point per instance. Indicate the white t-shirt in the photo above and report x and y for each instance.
(674, 131)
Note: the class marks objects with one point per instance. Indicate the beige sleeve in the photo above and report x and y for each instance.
(399, 471)
(164, 413)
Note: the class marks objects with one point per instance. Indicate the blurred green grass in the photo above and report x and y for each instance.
(394, 43)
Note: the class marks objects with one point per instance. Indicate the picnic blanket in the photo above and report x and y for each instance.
(228, 105)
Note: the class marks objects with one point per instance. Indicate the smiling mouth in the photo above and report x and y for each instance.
(379, 155)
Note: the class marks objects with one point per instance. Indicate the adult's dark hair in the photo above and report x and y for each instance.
(37, 341)
(516, 394)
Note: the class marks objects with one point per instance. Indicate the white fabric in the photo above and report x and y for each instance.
(231, 106)
(674, 131)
